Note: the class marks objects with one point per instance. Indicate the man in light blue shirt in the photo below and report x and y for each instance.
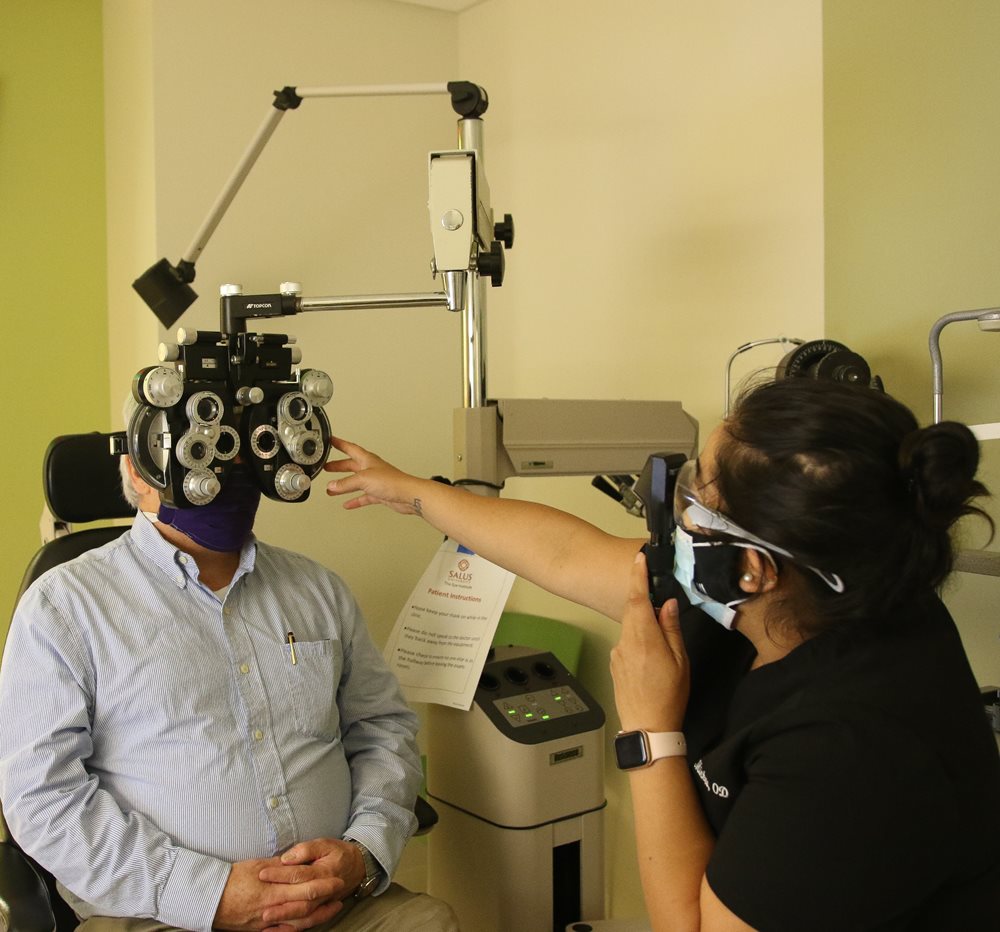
(198, 730)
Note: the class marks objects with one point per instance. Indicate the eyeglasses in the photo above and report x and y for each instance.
(691, 513)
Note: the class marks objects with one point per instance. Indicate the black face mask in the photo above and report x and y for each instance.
(717, 568)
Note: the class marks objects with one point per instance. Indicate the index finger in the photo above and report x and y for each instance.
(344, 446)
(357, 456)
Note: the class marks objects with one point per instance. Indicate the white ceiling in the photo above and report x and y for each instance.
(454, 6)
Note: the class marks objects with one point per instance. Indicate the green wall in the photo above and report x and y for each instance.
(912, 224)
(912, 190)
(52, 255)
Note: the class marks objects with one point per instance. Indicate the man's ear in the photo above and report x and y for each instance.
(142, 488)
(759, 573)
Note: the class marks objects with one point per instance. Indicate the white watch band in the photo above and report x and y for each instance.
(666, 744)
(635, 749)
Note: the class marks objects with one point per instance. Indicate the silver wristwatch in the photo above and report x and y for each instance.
(372, 871)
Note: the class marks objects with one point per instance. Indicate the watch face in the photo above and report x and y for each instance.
(630, 750)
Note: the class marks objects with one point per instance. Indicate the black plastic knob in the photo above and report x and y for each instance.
(504, 231)
(492, 264)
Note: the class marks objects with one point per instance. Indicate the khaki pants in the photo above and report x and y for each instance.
(396, 910)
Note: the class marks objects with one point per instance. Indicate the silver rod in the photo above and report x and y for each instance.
(743, 349)
(473, 356)
(371, 301)
(470, 138)
(233, 185)
(937, 367)
(371, 90)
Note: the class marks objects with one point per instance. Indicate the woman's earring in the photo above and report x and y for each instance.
(748, 577)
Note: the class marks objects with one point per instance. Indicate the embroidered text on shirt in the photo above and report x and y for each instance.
(717, 788)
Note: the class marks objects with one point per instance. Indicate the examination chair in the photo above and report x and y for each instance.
(82, 485)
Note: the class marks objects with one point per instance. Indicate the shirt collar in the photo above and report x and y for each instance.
(174, 563)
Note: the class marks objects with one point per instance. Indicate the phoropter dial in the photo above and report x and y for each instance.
(204, 408)
(294, 408)
(201, 486)
(264, 442)
(227, 444)
(158, 386)
(291, 483)
(301, 439)
(317, 386)
(196, 447)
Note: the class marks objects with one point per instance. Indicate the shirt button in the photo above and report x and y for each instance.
(259, 736)
(244, 668)
(226, 610)
(273, 802)
(180, 580)
(183, 559)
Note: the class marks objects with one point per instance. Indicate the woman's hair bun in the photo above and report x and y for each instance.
(938, 464)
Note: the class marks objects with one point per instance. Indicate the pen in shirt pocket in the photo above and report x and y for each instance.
(291, 646)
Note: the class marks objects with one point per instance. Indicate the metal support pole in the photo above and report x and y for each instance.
(473, 343)
(372, 90)
(985, 315)
(372, 301)
(233, 185)
(470, 138)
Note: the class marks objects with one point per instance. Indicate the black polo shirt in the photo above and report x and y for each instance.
(852, 785)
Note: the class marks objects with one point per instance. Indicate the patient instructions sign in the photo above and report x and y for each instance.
(439, 645)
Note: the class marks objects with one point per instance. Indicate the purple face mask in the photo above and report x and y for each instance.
(224, 524)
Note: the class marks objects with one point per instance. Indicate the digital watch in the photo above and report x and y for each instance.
(636, 749)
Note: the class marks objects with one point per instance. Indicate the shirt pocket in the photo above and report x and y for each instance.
(312, 684)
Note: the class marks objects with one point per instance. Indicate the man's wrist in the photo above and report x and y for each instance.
(373, 872)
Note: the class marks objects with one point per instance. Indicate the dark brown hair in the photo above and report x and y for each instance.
(844, 478)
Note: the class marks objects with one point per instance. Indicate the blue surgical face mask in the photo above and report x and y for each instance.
(684, 572)
(225, 523)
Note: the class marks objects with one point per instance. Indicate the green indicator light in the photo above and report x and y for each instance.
(557, 698)
(529, 714)
(545, 718)
(512, 711)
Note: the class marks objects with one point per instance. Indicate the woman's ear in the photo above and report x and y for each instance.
(759, 572)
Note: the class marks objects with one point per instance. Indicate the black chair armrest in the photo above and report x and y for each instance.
(24, 899)
(426, 816)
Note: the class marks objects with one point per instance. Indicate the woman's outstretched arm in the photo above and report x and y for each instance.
(553, 549)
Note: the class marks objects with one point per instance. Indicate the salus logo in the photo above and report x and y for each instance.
(461, 574)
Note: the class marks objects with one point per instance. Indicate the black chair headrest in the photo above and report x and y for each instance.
(81, 479)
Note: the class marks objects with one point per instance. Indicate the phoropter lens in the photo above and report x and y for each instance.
(204, 408)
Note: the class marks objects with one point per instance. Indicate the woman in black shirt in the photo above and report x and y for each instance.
(839, 771)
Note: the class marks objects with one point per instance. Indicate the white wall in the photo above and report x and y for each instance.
(662, 160)
(663, 163)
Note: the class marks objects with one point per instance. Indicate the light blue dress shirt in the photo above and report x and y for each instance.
(151, 735)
